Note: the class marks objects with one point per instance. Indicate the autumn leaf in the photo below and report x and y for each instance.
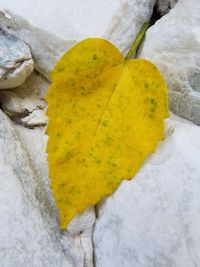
(106, 116)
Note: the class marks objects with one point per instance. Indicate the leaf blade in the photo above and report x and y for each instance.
(97, 118)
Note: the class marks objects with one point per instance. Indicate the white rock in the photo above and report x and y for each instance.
(16, 63)
(153, 220)
(29, 224)
(173, 44)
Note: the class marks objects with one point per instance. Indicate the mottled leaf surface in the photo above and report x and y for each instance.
(105, 117)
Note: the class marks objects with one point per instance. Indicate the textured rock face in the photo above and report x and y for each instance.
(153, 220)
(26, 104)
(29, 224)
(16, 63)
(173, 44)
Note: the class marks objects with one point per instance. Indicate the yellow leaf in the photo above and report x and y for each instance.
(105, 117)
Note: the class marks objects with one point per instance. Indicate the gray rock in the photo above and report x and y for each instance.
(30, 234)
(153, 220)
(164, 6)
(173, 44)
(16, 63)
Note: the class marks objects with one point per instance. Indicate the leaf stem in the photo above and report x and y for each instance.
(137, 41)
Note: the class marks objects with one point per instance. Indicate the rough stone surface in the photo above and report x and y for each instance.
(16, 62)
(6, 20)
(29, 224)
(26, 104)
(173, 44)
(153, 220)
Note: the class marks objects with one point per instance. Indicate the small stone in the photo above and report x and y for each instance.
(26, 104)
(16, 63)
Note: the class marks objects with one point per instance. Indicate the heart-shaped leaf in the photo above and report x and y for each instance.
(105, 117)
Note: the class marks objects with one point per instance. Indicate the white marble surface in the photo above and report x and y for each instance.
(66, 19)
(153, 220)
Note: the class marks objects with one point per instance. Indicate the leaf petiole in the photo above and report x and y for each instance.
(137, 41)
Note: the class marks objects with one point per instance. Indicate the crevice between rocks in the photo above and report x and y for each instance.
(155, 15)
(17, 118)
(158, 12)
(10, 71)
